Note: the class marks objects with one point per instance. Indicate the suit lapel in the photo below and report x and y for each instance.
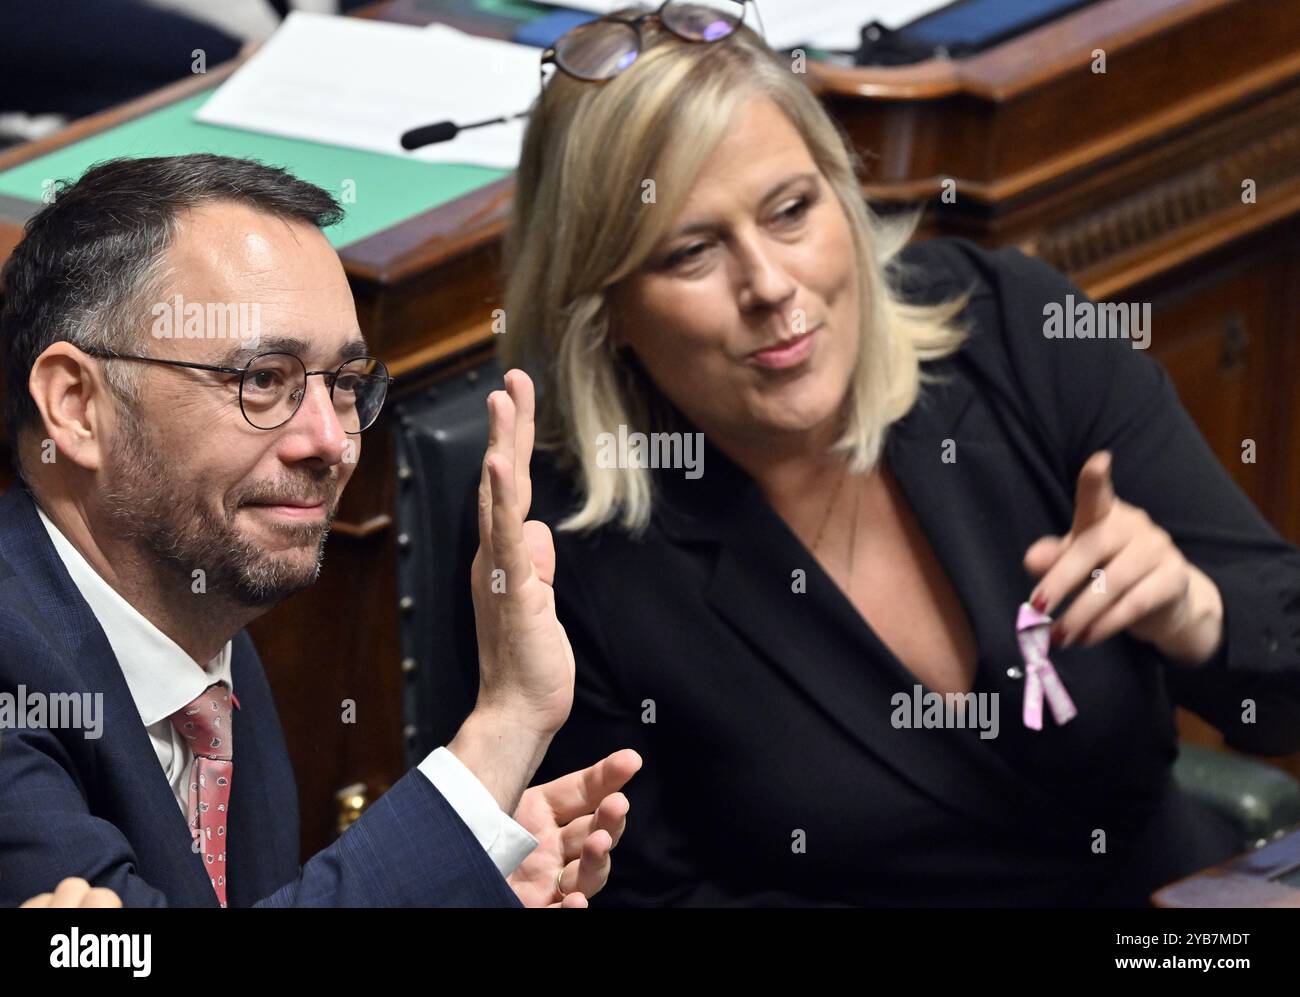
(262, 850)
(962, 507)
(127, 787)
(146, 811)
(820, 642)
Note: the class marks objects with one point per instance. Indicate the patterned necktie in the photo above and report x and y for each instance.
(205, 724)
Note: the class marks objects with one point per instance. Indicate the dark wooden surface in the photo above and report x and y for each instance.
(1255, 879)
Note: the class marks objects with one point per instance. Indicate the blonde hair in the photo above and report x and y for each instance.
(579, 226)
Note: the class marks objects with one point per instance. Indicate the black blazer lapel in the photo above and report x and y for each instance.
(820, 642)
(824, 648)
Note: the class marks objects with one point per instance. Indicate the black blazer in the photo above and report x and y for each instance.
(771, 709)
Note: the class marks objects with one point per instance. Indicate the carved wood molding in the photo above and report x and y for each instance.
(1184, 202)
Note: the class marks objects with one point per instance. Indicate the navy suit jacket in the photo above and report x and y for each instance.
(102, 808)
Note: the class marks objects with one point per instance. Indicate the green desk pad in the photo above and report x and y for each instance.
(386, 189)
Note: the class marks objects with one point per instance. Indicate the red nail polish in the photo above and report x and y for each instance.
(1058, 635)
(1040, 602)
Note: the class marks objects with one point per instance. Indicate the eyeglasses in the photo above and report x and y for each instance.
(601, 49)
(273, 385)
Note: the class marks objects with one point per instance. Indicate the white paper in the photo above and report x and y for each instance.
(828, 24)
(360, 83)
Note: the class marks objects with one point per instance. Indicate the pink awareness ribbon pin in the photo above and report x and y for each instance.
(1033, 633)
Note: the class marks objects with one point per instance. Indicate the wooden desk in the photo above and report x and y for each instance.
(1267, 877)
(1129, 181)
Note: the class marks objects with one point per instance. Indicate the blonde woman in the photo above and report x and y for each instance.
(807, 623)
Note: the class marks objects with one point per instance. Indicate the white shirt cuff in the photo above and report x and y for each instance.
(506, 843)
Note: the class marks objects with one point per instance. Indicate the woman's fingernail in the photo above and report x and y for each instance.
(1058, 635)
(1039, 602)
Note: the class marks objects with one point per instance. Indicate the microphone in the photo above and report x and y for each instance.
(445, 131)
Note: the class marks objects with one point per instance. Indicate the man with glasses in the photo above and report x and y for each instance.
(171, 489)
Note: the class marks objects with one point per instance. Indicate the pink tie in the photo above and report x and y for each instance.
(205, 724)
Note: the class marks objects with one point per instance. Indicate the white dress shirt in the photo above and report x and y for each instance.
(163, 678)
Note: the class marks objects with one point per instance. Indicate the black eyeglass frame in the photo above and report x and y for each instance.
(243, 372)
(549, 55)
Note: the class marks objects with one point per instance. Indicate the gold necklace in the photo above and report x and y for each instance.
(826, 516)
(853, 530)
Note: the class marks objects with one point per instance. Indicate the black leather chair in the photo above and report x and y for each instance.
(441, 438)
(1260, 800)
